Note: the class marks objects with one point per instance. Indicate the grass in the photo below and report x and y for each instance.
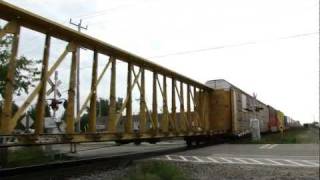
(30, 156)
(155, 170)
(291, 136)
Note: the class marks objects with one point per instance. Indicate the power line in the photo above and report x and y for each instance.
(229, 46)
(216, 47)
(102, 12)
(105, 11)
(212, 48)
(299, 35)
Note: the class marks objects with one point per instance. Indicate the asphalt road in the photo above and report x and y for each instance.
(302, 155)
(231, 161)
(259, 150)
(223, 161)
(260, 154)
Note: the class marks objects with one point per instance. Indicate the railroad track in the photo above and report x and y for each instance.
(70, 166)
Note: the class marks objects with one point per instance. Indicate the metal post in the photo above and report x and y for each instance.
(39, 121)
(173, 99)
(71, 94)
(78, 124)
(189, 108)
(93, 101)
(112, 108)
(142, 103)
(79, 26)
(164, 121)
(154, 100)
(195, 106)
(128, 123)
(183, 122)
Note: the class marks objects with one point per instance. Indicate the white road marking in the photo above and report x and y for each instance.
(173, 158)
(183, 158)
(226, 160)
(272, 146)
(259, 156)
(255, 161)
(198, 159)
(274, 162)
(264, 146)
(268, 146)
(293, 162)
(213, 160)
(241, 160)
(311, 163)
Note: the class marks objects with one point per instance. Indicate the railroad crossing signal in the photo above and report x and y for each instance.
(54, 88)
(54, 85)
(55, 104)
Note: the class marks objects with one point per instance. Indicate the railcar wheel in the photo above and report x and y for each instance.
(189, 142)
(197, 142)
(137, 143)
(118, 143)
(153, 141)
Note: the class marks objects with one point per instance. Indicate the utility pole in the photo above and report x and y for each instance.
(80, 27)
(73, 149)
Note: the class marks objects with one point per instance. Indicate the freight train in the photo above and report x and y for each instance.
(230, 112)
(232, 109)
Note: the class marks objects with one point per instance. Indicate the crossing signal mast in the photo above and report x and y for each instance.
(56, 93)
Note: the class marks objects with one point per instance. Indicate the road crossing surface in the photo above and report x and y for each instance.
(268, 146)
(241, 160)
(288, 155)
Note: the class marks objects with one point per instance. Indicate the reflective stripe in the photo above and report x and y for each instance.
(183, 158)
(198, 159)
(213, 160)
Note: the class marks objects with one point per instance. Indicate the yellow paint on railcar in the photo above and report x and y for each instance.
(220, 115)
(280, 117)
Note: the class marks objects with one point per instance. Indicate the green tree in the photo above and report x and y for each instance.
(26, 73)
(33, 112)
(27, 70)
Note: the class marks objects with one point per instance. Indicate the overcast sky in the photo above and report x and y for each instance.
(265, 46)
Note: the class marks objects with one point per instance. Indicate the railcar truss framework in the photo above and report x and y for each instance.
(188, 123)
